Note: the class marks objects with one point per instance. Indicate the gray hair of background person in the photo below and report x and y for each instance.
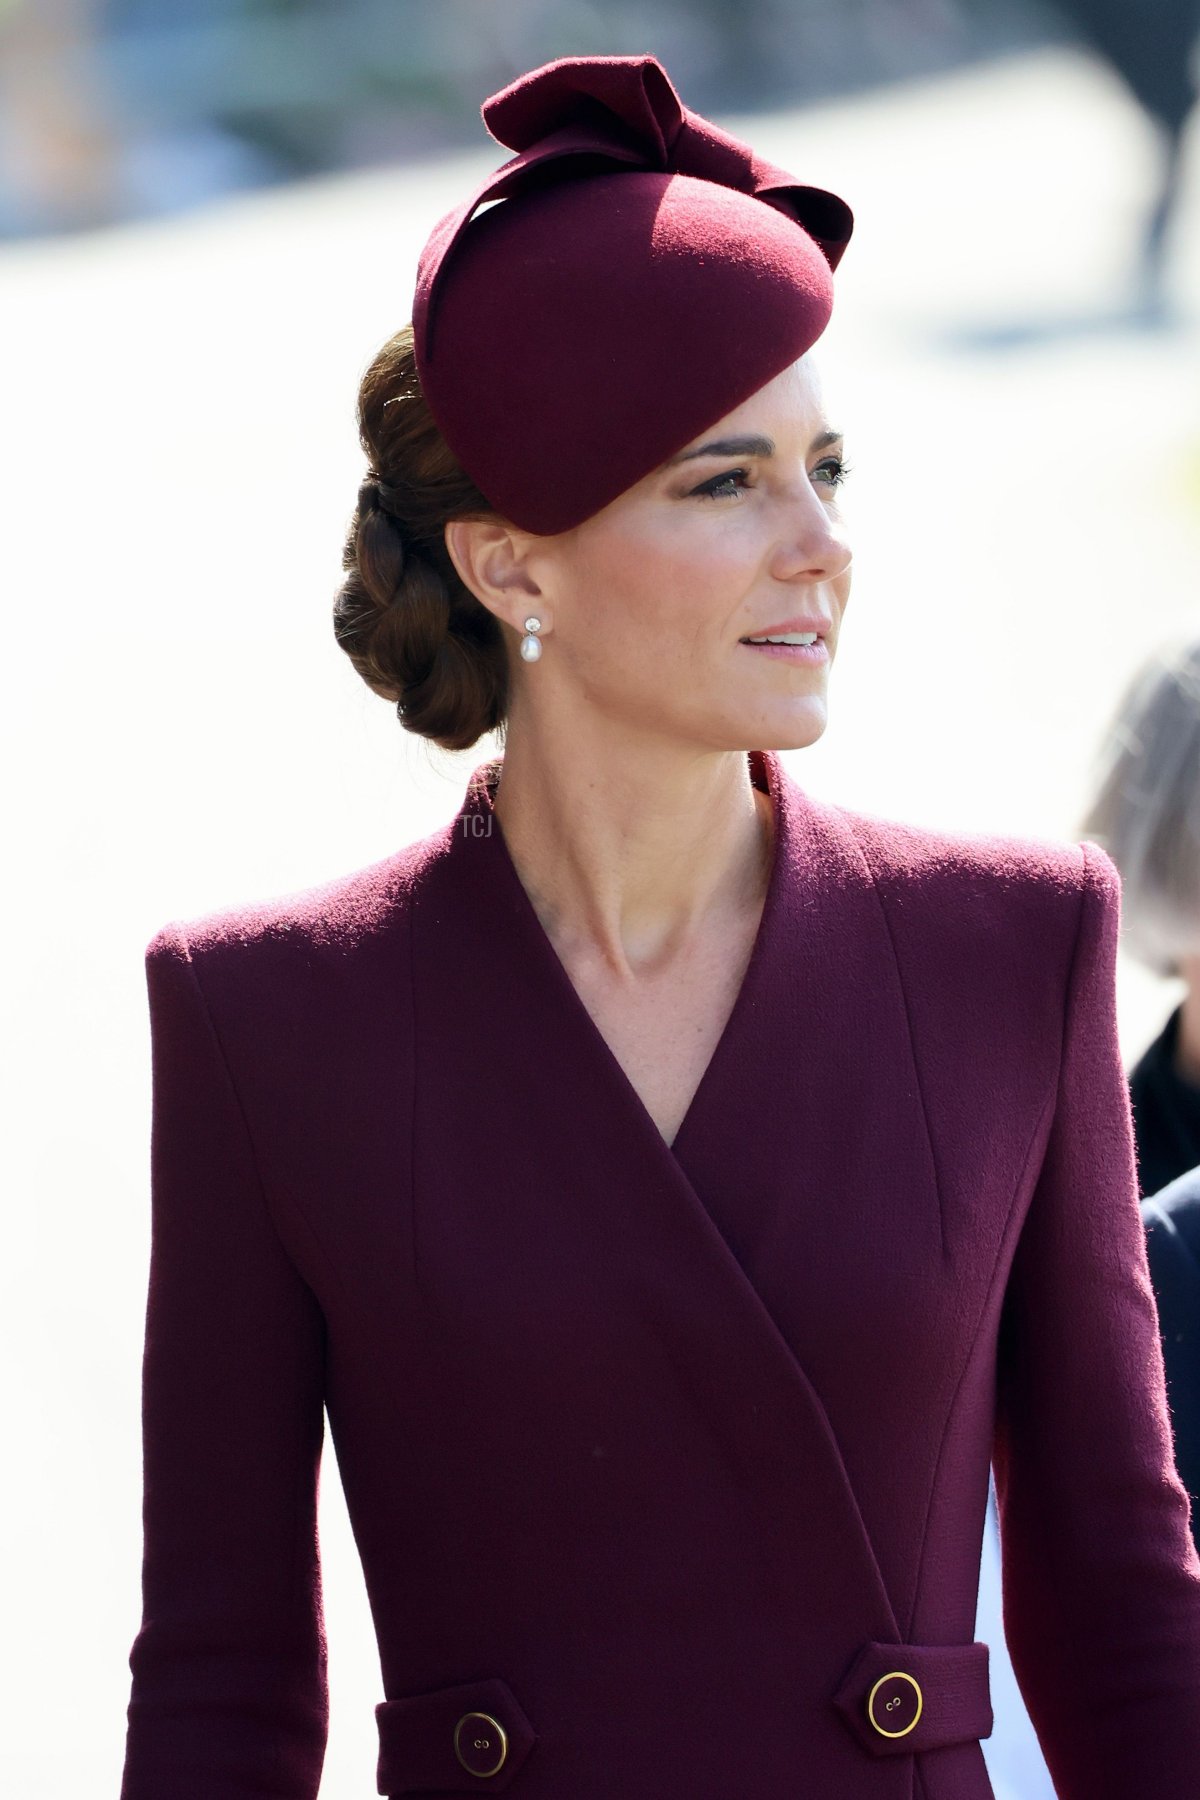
(1146, 806)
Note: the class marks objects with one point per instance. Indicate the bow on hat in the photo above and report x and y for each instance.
(583, 115)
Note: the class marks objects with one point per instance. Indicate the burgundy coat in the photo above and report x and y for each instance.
(668, 1467)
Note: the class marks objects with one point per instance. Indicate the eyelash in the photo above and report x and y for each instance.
(709, 489)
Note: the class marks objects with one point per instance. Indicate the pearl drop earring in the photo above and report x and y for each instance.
(531, 647)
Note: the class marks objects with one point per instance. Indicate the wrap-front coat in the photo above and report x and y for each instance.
(668, 1465)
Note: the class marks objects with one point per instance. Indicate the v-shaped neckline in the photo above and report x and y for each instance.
(768, 775)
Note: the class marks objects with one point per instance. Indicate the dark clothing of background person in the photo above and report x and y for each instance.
(1166, 1119)
(1166, 1112)
(1172, 1221)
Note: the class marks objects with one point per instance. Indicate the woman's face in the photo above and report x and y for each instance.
(647, 605)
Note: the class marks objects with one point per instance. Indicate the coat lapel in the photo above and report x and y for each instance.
(709, 1265)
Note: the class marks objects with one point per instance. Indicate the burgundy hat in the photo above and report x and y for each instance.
(639, 274)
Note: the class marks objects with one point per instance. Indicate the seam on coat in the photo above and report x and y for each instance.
(1087, 887)
(912, 1047)
(977, 1344)
(302, 1543)
(297, 1210)
(977, 1347)
(1049, 1105)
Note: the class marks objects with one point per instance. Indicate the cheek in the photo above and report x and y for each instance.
(669, 584)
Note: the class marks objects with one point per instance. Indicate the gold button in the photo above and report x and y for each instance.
(895, 1705)
(480, 1743)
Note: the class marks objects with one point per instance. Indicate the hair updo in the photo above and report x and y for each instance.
(409, 624)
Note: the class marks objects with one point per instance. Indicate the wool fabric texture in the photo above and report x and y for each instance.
(665, 1459)
(641, 273)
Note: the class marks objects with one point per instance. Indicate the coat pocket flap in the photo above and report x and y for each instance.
(452, 1740)
(901, 1698)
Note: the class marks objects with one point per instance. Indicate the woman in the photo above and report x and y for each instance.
(623, 1165)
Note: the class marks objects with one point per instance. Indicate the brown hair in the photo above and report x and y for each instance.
(409, 624)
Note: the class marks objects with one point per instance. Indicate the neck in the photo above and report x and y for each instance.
(632, 856)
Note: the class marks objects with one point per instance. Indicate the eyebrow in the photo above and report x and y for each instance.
(748, 446)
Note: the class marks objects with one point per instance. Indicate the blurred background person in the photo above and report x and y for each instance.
(1172, 1221)
(58, 136)
(1152, 48)
(1146, 813)
(119, 109)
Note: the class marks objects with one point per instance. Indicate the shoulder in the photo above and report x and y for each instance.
(994, 919)
(332, 918)
(1022, 877)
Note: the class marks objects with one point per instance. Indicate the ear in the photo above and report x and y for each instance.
(489, 555)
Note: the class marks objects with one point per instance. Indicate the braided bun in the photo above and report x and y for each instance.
(413, 630)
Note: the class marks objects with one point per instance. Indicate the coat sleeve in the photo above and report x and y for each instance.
(1101, 1582)
(229, 1693)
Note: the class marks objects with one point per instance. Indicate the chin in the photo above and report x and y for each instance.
(782, 724)
(801, 726)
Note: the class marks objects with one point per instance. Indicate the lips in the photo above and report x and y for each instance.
(814, 654)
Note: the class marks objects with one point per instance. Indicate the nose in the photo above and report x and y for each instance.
(813, 544)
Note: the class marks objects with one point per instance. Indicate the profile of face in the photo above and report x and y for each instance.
(648, 607)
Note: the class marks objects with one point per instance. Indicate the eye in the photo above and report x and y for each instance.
(837, 470)
(833, 471)
(718, 488)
